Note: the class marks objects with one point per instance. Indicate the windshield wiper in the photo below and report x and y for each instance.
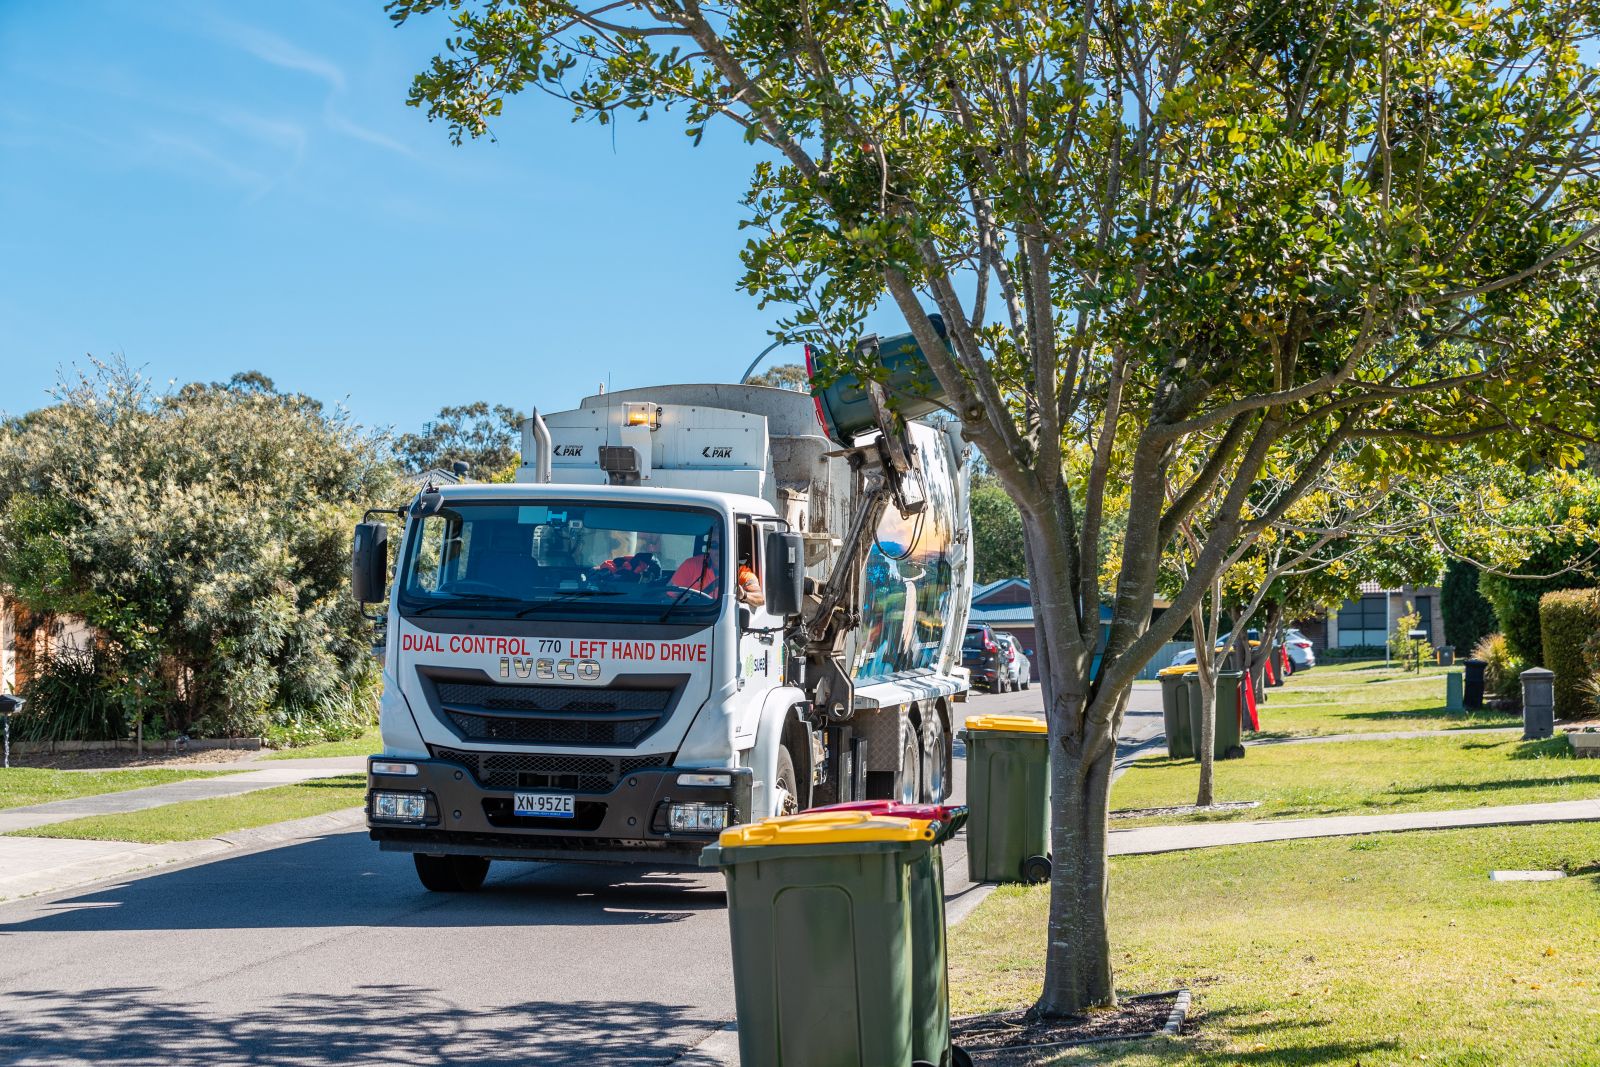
(570, 595)
(459, 601)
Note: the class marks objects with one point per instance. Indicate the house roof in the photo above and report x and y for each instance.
(989, 590)
(435, 475)
(1002, 614)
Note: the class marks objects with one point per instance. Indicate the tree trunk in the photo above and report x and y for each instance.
(1205, 746)
(1078, 954)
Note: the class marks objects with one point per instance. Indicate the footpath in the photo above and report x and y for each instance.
(30, 865)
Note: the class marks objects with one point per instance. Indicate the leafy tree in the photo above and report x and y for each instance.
(784, 376)
(485, 438)
(1468, 617)
(204, 534)
(1250, 233)
(1533, 536)
(996, 534)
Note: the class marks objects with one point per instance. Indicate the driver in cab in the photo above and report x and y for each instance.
(700, 573)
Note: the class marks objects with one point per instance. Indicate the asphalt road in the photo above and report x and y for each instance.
(328, 952)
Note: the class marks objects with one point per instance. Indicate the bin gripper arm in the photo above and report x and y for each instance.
(889, 472)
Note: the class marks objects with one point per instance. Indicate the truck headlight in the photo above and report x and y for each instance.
(698, 818)
(405, 807)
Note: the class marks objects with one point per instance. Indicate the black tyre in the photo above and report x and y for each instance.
(785, 785)
(935, 754)
(451, 874)
(1036, 870)
(908, 780)
(1025, 686)
(960, 1057)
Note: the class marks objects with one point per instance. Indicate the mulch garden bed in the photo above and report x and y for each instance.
(1013, 1038)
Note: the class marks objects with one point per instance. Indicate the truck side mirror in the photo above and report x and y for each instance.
(786, 572)
(369, 562)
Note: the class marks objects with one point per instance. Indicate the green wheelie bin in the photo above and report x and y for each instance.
(1008, 790)
(930, 966)
(1230, 688)
(1175, 710)
(820, 907)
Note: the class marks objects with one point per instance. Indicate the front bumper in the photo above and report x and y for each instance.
(627, 824)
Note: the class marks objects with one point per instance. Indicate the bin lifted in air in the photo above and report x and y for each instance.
(695, 607)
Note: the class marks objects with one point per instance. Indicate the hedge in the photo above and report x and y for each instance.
(1468, 617)
(1567, 619)
(1516, 599)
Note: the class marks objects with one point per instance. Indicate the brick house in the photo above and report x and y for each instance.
(1366, 620)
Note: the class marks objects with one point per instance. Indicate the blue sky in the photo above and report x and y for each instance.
(210, 187)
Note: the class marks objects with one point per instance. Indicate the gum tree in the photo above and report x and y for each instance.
(1259, 225)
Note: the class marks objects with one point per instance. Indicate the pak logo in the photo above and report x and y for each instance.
(569, 450)
(717, 452)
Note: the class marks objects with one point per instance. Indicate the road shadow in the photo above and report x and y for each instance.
(343, 880)
(414, 1026)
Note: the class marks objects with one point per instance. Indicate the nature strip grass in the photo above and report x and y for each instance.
(1373, 950)
(367, 744)
(24, 786)
(1364, 778)
(196, 819)
(1369, 699)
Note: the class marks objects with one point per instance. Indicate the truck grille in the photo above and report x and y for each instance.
(577, 774)
(553, 714)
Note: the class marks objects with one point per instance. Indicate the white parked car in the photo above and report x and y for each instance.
(1021, 666)
(1301, 652)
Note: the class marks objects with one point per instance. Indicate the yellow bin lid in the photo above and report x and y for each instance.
(1017, 724)
(825, 828)
(1184, 668)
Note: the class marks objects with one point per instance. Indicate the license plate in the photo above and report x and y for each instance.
(549, 805)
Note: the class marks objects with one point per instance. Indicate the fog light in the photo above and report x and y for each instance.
(411, 807)
(407, 770)
(698, 818)
(705, 779)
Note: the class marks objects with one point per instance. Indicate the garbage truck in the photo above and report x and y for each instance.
(695, 606)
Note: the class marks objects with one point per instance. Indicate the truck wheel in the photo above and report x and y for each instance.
(788, 797)
(935, 746)
(908, 782)
(451, 874)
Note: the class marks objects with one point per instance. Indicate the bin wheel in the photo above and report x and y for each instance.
(1036, 870)
(451, 874)
(960, 1057)
(1233, 752)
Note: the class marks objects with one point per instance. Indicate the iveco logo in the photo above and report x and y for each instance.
(547, 669)
(569, 450)
(717, 451)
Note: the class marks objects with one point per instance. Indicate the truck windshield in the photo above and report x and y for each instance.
(564, 560)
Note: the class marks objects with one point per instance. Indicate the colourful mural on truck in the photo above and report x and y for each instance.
(910, 571)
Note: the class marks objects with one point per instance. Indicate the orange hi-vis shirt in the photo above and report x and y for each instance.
(696, 572)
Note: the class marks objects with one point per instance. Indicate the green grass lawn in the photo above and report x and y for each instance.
(1372, 951)
(196, 819)
(1365, 778)
(367, 744)
(1364, 697)
(21, 786)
